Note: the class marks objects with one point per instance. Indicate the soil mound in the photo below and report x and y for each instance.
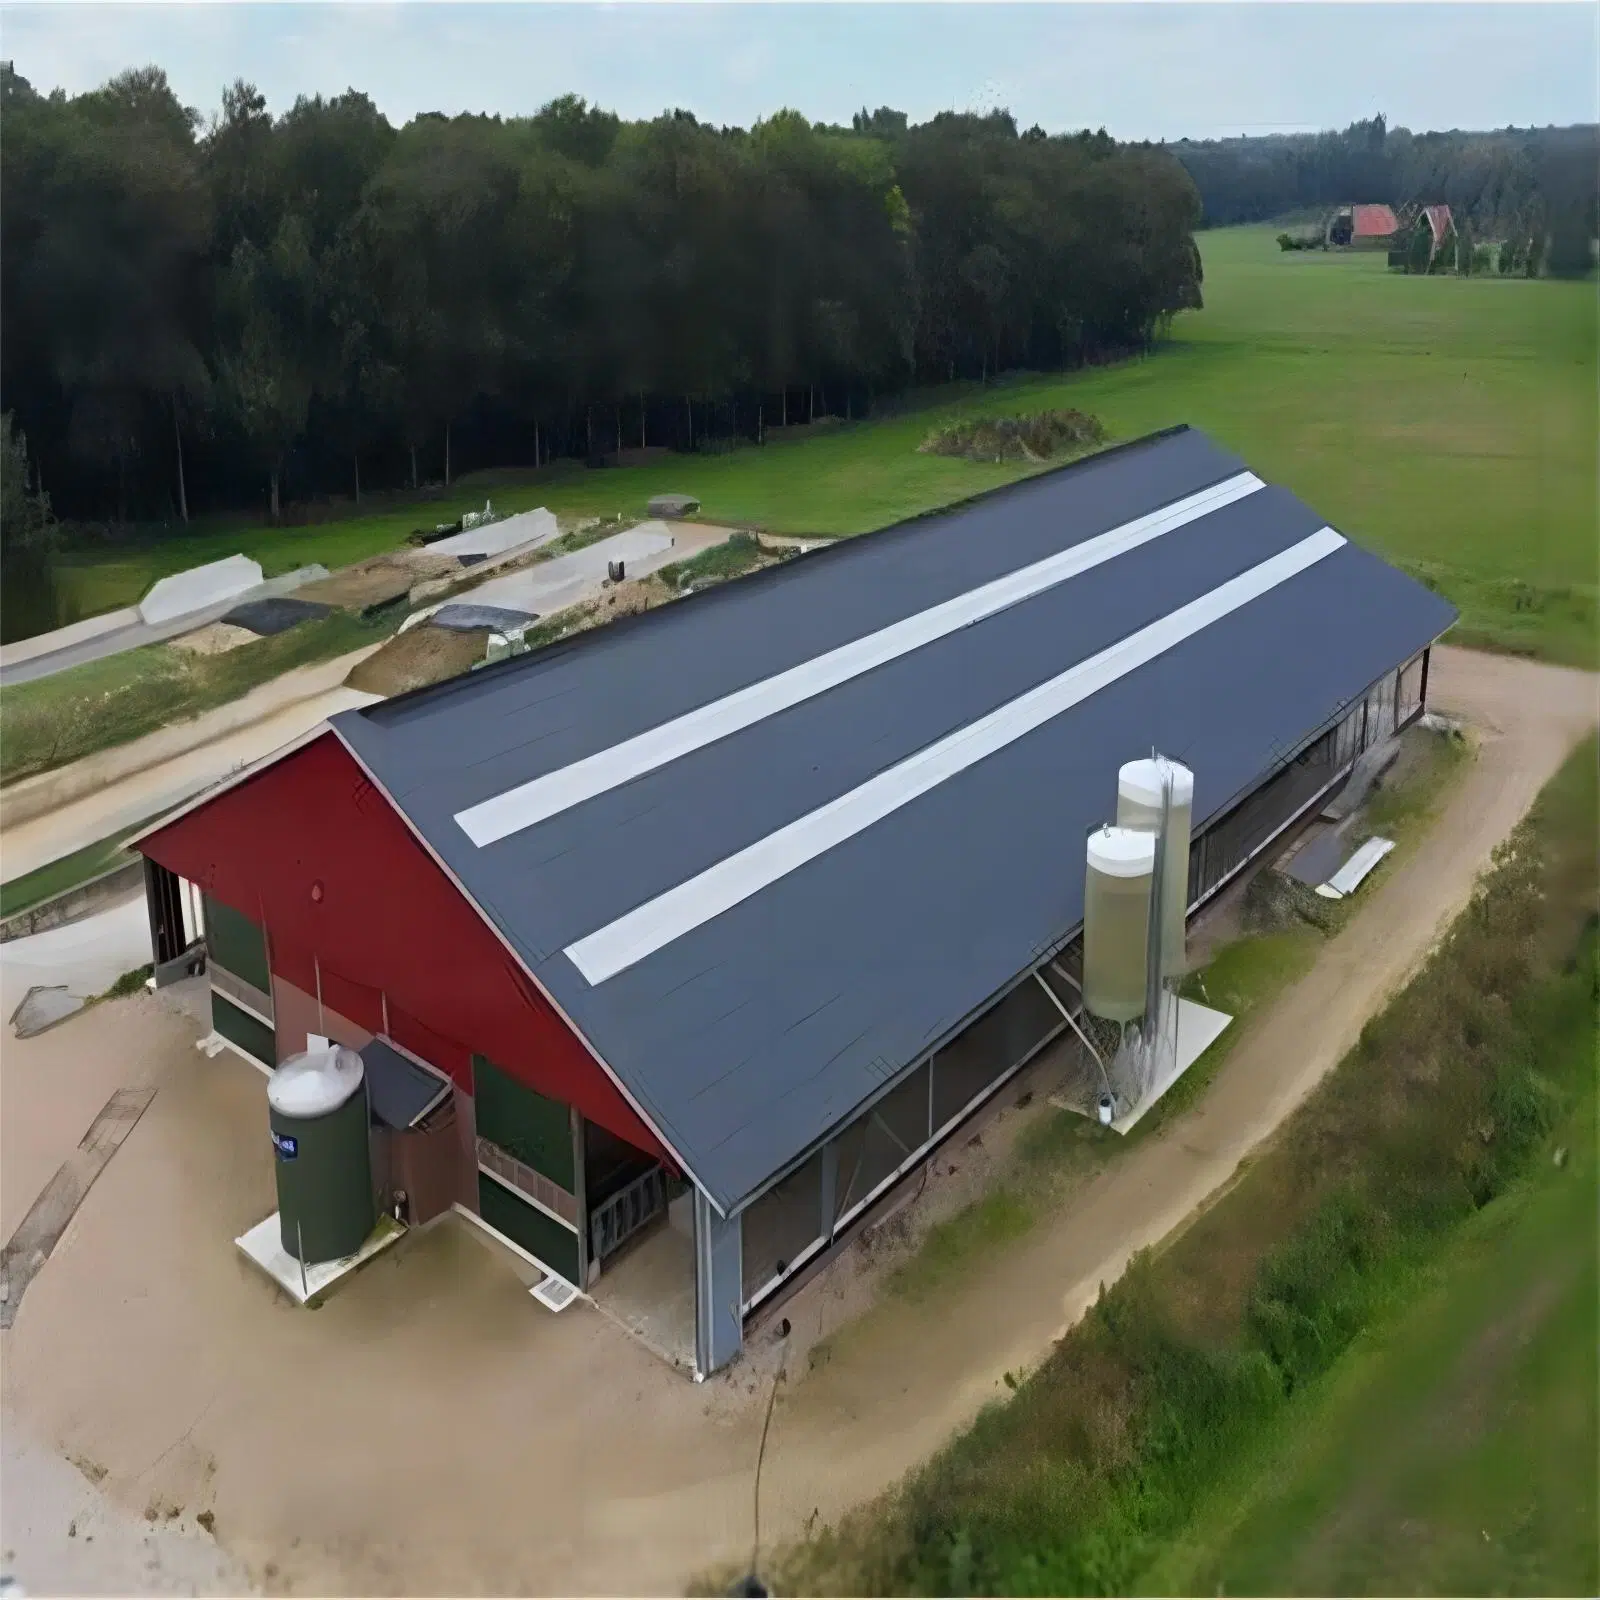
(419, 656)
(1026, 438)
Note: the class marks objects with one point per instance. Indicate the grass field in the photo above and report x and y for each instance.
(1369, 1367)
(51, 721)
(1453, 1450)
(68, 872)
(1449, 423)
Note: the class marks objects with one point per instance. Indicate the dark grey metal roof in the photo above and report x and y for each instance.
(753, 1033)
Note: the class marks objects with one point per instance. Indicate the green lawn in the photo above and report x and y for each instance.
(1453, 1451)
(1449, 423)
(67, 873)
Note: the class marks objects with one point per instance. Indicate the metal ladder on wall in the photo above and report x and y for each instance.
(614, 1221)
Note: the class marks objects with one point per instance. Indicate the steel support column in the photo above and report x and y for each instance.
(718, 1288)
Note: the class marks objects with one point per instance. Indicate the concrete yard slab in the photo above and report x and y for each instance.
(570, 579)
(85, 958)
(43, 644)
(312, 1283)
(527, 530)
(1199, 1027)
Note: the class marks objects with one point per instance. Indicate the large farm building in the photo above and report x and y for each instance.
(671, 949)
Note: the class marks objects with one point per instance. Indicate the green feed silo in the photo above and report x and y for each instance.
(317, 1103)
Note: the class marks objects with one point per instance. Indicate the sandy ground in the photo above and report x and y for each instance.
(433, 1430)
(215, 639)
(64, 1537)
(121, 803)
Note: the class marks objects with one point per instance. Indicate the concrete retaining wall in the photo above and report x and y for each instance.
(120, 883)
(43, 644)
(181, 593)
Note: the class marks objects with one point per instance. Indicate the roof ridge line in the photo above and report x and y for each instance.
(591, 637)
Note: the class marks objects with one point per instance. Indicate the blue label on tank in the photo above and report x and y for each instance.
(285, 1144)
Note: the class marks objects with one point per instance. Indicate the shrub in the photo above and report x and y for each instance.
(1026, 438)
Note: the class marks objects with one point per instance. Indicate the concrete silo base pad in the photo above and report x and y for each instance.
(1198, 1027)
(264, 1246)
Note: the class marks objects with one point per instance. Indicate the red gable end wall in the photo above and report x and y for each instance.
(388, 919)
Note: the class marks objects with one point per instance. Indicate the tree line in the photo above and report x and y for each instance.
(1522, 185)
(241, 309)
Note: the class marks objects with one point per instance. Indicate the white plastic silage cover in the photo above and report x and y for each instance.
(315, 1082)
(182, 593)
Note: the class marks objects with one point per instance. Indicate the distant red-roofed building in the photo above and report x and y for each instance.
(1426, 242)
(1371, 226)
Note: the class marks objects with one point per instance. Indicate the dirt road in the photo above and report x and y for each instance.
(100, 794)
(432, 1431)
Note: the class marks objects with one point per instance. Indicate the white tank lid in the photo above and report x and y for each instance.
(1123, 852)
(315, 1082)
(1141, 781)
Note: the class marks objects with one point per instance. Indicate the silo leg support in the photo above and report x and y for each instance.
(1072, 1021)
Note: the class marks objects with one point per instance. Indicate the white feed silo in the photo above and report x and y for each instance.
(1139, 805)
(1116, 922)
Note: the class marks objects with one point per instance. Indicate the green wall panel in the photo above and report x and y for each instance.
(236, 944)
(240, 1028)
(537, 1131)
(540, 1234)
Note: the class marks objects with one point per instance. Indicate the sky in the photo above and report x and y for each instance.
(1141, 71)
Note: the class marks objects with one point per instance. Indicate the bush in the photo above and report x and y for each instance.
(1025, 438)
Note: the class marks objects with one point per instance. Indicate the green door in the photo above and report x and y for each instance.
(545, 1237)
(537, 1131)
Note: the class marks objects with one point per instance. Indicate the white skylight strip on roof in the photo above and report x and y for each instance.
(649, 927)
(554, 792)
